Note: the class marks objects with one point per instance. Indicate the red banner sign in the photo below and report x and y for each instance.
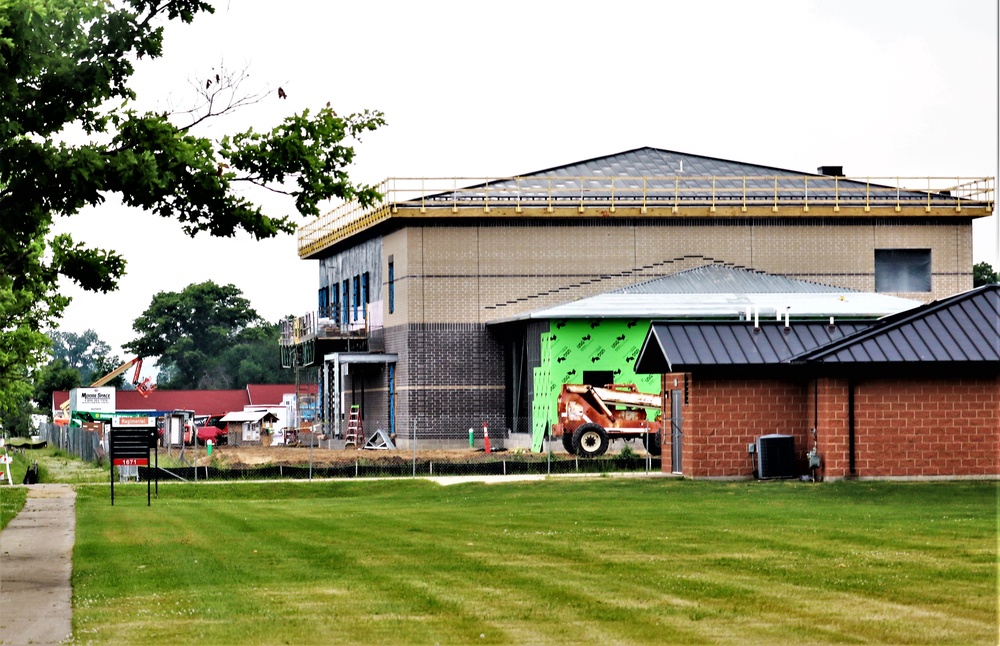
(131, 462)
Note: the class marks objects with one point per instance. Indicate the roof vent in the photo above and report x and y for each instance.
(833, 171)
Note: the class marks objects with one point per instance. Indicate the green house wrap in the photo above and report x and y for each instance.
(573, 351)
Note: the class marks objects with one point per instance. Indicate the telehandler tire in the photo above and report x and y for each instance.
(653, 444)
(590, 440)
(567, 440)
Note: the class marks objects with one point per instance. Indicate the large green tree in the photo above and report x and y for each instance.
(201, 336)
(70, 136)
(85, 352)
(983, 274)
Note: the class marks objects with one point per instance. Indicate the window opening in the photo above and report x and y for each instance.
(392, 288)
(357, 295)
(902, 270)
(347, 299)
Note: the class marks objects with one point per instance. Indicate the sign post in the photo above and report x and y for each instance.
(129, 443)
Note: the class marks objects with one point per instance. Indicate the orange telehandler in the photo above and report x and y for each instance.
(591, 417)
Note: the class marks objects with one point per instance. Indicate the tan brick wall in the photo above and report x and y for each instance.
(483, 272)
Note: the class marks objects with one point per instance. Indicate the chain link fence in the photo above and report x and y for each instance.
(420, 468)
(74, 440)
(318, 456)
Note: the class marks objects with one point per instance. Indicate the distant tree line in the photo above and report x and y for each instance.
(205, 337)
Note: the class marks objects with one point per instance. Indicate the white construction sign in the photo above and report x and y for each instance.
(92, 400)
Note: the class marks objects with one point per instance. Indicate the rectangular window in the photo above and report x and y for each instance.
(902, 270)
(392, 288)
(335, 303)
(323, 302)
(347, 300)
(357, 295)
(365, 289)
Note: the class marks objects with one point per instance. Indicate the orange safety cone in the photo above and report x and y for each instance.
(486, 438)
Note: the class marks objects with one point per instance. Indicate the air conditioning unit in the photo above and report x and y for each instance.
(775, 456)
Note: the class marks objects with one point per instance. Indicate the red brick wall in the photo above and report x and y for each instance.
(903, 428)
(724, 416)
(928, 428)
(829, 413)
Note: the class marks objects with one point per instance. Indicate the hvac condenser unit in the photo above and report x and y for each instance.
(775, 456)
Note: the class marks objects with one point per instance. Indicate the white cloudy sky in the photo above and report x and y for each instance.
(882, 87)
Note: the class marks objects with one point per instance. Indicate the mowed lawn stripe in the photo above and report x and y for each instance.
(597, 560)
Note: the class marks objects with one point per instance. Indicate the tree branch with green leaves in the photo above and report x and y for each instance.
(65, 67)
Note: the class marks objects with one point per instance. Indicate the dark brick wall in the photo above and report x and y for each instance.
(449, 377)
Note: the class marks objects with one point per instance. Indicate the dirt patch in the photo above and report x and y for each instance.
(232, 456)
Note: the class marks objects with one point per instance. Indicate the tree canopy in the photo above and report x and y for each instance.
(207, 336)
(70, 136)
(983, 274)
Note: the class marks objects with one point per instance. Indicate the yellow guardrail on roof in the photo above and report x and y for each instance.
(738, 194)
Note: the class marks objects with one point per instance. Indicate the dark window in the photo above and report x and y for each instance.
(365, 291)
(599, 378)
(392, 288)
(357, 295)
(335, 303)
(902, 270)
(347, 300)
(324, 302)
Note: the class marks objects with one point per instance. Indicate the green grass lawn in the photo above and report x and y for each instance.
(54, 465)
(598, 560)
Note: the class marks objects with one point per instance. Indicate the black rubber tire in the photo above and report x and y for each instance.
(567, 441)
(653, 444)
(590, 441)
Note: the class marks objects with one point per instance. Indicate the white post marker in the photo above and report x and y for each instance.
(6, 460)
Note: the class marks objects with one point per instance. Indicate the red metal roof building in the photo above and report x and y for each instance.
(202, 402)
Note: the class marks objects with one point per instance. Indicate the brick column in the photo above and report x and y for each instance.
(828, 407)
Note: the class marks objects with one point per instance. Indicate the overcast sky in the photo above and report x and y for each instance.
(881, 87)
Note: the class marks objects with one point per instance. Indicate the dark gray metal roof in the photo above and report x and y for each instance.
(719, 279)
(961, 329)
(636, 173)
(676, 346)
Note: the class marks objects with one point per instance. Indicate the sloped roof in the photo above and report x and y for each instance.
(960, 332)
(715, 291)
(964, 328)
(683, 346)
(655, 170)
(720, 279)
(250, 416)
(272, 394)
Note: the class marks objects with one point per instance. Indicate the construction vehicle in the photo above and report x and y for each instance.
(590, 417)
(143, 387)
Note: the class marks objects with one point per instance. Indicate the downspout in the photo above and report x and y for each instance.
(852, 461)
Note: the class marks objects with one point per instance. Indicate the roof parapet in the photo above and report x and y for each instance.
(631, 196)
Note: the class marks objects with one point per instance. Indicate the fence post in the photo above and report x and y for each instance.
(414, 439)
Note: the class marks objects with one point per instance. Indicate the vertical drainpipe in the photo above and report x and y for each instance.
(852, 462)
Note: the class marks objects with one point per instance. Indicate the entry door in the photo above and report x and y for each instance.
(676, 425)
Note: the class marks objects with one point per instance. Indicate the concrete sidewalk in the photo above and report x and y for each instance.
(36, 556)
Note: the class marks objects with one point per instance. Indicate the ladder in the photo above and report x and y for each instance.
(355, 431)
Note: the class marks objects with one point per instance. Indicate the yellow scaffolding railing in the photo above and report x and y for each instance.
(771, 193)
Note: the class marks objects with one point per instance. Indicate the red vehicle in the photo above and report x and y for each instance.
(211, 428)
